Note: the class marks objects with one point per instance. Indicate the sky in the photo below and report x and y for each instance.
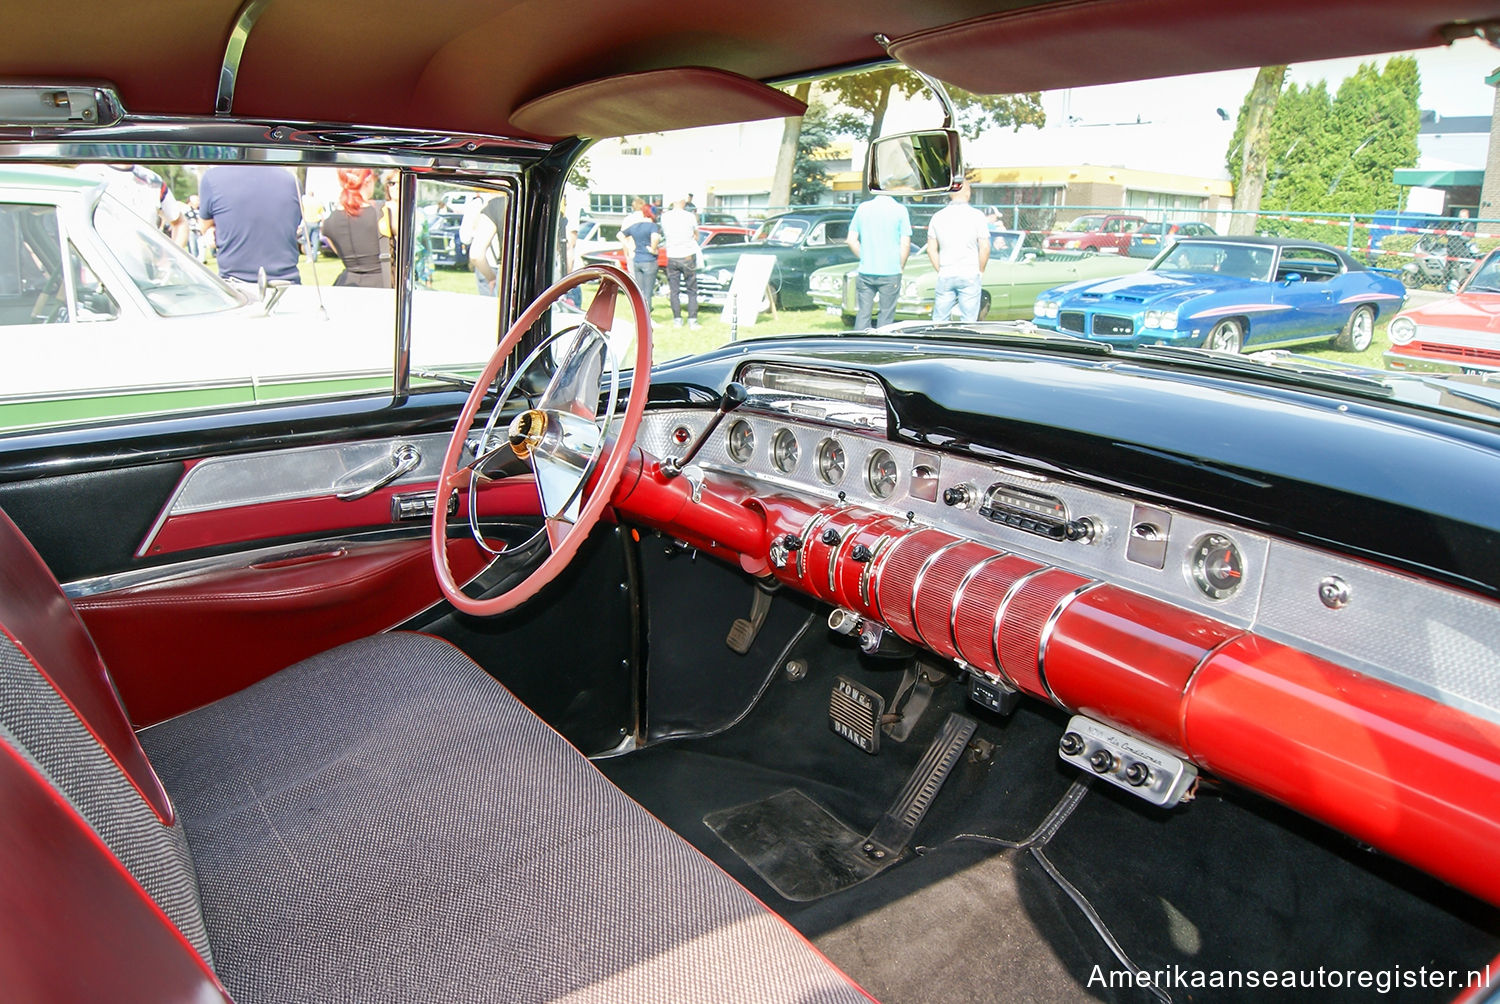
(1172, 124)
(1452, 84)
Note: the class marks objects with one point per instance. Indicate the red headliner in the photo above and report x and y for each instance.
(391, 62)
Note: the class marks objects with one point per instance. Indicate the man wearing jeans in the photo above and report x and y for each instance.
(679, 238)
(880, 234)
(958, 244)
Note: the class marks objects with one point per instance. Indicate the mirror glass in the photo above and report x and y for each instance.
(914, 162)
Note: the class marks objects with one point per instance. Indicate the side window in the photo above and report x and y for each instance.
(459, 265)
(1312, 264)
(819, 236)
(836, 231)
(233, 285)
(32, 290)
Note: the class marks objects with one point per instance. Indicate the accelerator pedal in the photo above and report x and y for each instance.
(896, 827)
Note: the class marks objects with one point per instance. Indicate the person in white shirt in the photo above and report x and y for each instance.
(958, 244)
(144, 192)
(679, 238)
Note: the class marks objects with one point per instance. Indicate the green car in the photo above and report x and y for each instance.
(1017, 271)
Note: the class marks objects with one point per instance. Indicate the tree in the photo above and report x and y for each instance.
(1251, 140)
(1333, 153)
(809, 176)
(867, 96)
(791, 131)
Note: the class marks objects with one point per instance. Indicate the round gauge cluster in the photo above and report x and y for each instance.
(1216, 565)
(784, 451)
(881, 474)
(741, 442)
(831, 462)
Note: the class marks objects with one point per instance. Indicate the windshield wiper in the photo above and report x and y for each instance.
(1310, 372)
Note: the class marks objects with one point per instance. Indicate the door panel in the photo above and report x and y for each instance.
(177, 644)
(198, 577)
(314, 490)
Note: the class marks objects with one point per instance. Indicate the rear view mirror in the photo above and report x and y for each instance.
(914, 163)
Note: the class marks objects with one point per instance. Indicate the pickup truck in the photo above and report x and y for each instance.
(1097, 232)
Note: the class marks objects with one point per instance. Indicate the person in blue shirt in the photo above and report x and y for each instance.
(880, 234)
(642, 237)
(255, 214)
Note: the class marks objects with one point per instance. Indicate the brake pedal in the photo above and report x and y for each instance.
(854, 712)
(896, 828)
(743, 632)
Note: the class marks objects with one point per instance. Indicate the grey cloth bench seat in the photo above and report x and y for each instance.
(387, 822)
(382, 822)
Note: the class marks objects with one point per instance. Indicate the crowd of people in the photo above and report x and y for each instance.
(251, 222)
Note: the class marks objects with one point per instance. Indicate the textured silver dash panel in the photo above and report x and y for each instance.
(1427, 638)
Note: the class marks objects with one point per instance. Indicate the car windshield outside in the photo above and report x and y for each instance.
(785, 232)
(1085, 224)
(173, 282)
(1486, 278)
(1211, 258)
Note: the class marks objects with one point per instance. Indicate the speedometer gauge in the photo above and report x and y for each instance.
(880, 474)
(831, 461)
(1217, 566)
(784, 451)
(741, 442)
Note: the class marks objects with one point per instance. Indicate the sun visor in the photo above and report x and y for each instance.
(1076, 43)
(654, 101)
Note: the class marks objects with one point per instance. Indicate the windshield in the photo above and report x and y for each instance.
(173, 282)
(1486, 278)
(784, 232)
(1205, 258)
(1120, 214)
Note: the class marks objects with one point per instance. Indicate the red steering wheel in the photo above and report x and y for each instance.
(563, 438)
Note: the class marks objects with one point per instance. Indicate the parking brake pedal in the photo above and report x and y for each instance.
(742, 633)
(895, 829)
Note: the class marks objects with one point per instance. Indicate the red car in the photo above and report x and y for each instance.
(708, 236)
(1458, 332)
(1097, 232)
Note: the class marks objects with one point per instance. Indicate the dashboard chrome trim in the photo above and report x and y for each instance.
(958, 597)
(1000, 608)
(1046, 635)
(920, 577)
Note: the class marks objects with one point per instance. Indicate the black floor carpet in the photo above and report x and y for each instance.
(1227, 884)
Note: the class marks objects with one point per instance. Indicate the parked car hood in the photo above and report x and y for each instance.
(1147, 287)
(1472, 311)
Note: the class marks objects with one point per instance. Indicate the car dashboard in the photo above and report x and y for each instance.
(1185, 637)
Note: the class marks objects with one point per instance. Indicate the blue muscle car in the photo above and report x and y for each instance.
(1230, 294)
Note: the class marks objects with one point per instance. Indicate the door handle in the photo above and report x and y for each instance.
(404, 459)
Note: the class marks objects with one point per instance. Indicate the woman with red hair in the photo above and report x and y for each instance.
(354, 231)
